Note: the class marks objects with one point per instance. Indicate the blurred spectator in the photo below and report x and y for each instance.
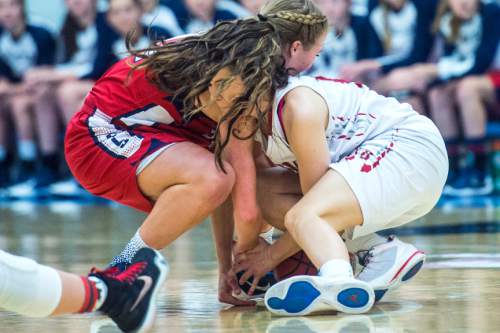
(471, 33)
(235, 7)
(346, 41)
(400, 36)
(160, 16)
(359, 7)
(475, 95)
(81, 30)
(198, 15)
(125, 16)
(253, 6)
(63, 90)
(22, 46)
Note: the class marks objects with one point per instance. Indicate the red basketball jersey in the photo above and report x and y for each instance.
(134, 103)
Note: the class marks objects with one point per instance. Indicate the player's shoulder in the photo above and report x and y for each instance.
(303, 103)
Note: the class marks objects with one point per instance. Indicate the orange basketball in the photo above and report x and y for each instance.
(298, 264)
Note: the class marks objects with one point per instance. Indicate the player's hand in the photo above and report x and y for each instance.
(256, 262)
(229, 285)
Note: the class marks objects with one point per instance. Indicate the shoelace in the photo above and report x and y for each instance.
(364, 256)
(128, 276)
(108, 272)
(131, 273)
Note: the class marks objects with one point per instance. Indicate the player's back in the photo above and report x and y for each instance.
(131, 100)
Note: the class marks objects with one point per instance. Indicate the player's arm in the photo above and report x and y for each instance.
(305, 118)
(239, 154)
(246, 212)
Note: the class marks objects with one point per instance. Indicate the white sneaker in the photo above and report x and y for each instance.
(24, 190)
(386, 266)
(66, 188)
(304, 294)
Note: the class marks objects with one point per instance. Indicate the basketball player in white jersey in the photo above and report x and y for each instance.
(365, 163)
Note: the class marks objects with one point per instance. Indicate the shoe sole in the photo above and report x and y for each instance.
(409, 269)
(303, 295)
(149, 319)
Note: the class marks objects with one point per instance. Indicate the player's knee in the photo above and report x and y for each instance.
(297, 218)
(217, 184)
(435, 94)
(42, 93)
(64, 92)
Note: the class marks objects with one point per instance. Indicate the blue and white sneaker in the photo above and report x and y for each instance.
(386, 266)
(304, 294)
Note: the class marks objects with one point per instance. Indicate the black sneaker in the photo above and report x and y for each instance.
(470, 182)
(131, 298)
(264, 283)
(4, 175)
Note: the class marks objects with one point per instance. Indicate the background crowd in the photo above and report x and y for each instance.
(441, 56)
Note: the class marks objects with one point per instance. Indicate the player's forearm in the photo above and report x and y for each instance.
(223, 230)
(283, 248)
(248, 225)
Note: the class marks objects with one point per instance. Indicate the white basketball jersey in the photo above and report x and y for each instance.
(356, 114)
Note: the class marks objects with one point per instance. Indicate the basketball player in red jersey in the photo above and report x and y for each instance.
(151, 127)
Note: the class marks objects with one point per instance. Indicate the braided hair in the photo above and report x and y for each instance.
(295, 20)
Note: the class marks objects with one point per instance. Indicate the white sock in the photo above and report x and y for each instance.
(27, 287)
(26, 150)
(128, 253)
(336, 268)
(364, 242)
(102, 290)
(268, 235)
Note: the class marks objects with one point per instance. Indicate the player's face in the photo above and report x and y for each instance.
(226, 98)
(11, 14)
(464, 9)
(301, 59)
(79, 8)
(334, 10)
(124, 15)
(200, 8)
(253, 6)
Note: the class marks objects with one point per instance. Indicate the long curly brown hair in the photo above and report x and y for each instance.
(250, 48)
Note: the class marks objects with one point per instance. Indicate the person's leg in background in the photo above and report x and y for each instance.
(21, 110)
(442, 110)
(474, 95)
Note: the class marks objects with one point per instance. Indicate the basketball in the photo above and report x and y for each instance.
(298, 264)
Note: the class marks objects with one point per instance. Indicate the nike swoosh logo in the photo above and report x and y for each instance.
(264, 288)
(148, 282)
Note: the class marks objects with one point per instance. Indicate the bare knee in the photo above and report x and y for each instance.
(215, 185)
(19, 105)
(297, 218)
(72, 92)
(42, 96)
(467, 89)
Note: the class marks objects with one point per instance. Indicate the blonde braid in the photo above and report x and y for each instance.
(306, 19)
